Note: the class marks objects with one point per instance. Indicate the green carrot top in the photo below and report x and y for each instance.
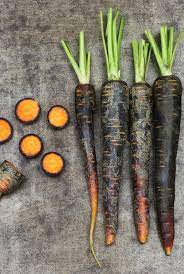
(112, 43)
(165, 56)
(141, 56)
(83, 68)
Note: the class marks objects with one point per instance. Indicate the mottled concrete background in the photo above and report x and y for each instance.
(44, 225)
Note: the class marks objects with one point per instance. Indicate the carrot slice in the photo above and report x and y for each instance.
(58, 117)
(31, 146)
(27, 110)
(52, 163)
(6, 131)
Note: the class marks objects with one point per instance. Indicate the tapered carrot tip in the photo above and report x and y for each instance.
(168, 250)
(93, 253)
(143, 238)
(110, 237)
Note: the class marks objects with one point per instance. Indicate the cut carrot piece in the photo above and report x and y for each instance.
(27, 110)
(31, 146)
(58, 117)
(6, 131)
(10, 178)
(52, 163)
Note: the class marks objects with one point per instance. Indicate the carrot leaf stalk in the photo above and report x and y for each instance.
(83, 68)
(112, 39)
(165, 55)
(141, 56)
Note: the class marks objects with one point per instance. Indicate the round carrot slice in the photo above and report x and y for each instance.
(6, 130)
(31, 146)
(52, 163)
(58, 117)
(27, 110)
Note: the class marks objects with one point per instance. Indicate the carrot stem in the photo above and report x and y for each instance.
(141, 55)
(82, 69)
(165, 57)
(112, 43)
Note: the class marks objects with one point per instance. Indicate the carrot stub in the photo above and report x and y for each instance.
(27, 110)
(58, 117)
(31, 146)
(6, 131)
(52, 163)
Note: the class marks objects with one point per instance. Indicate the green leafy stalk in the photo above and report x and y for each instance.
(141, 56)
(165, 56)
(112, 40)
(83, 68)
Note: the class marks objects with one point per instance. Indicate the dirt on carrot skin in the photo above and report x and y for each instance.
(140, 141)
(114, 112)
(167, 116)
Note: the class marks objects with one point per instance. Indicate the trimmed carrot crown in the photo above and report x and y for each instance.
(112, 40)
(165, 55)
(141, 56)
(83, 68)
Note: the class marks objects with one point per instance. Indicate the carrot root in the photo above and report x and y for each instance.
(85, 103)
(167, 116)
(114, 111)
(140, 140)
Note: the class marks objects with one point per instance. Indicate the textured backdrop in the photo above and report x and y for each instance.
(44, 225)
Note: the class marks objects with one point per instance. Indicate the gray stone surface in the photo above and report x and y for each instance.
(44, 225)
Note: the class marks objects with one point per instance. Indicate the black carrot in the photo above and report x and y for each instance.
(114, 111)
(140, 137)
(167, 91)
(84, 107)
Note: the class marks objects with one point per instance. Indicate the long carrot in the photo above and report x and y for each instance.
(114, 111)
(140, 137)
(167, 115)
(84, 107)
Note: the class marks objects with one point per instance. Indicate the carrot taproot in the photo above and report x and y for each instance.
(52, 163)
(27, 110)
(6, 131)
(167, 91)
(31, 146)
(84, 108)
(58, 117)
(114, 112)
(140, 137)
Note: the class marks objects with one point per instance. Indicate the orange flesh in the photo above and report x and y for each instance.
(31, 145)
(110, 237)
(58, 116)
(27, 110)
(5, 130)
(52, 163)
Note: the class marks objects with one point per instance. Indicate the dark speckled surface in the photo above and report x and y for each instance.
(44, 224)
